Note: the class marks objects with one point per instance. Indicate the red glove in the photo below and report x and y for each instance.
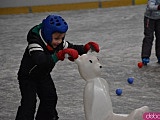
(158, 7)
(93, 46)
(73, 54)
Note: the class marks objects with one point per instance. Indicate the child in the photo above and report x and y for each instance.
(46, 45)
(151, 26)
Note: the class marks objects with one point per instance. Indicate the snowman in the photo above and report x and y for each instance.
(97, 101)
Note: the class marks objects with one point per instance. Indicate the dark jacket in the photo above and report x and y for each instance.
(37, 61)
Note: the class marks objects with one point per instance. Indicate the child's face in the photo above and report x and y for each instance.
(57, 39)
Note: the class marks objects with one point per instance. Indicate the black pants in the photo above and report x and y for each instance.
(151, 28)
(46, 91)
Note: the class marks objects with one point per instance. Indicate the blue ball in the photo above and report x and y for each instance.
(130, 80)
(118, 91)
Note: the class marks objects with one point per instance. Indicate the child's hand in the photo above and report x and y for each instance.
(93, 46)
(73, 54)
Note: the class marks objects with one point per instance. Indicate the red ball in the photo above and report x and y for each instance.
(140, 64)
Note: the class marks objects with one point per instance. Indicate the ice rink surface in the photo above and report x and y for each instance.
(119, 32)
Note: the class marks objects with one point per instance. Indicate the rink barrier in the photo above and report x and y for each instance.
(73, 6)
(139, 2)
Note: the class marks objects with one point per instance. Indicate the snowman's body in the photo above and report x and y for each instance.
(96, 96)
(97, 101)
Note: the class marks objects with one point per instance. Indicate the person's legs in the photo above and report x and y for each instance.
(149, 25)
(48, 100)
(27, 108)
(157, 34)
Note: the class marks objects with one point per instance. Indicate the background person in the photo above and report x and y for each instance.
(151, 28)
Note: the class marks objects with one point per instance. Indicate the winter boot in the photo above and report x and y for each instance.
(145, 61)
(158, 60)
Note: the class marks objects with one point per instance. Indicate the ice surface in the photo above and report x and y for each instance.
(119, 32)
